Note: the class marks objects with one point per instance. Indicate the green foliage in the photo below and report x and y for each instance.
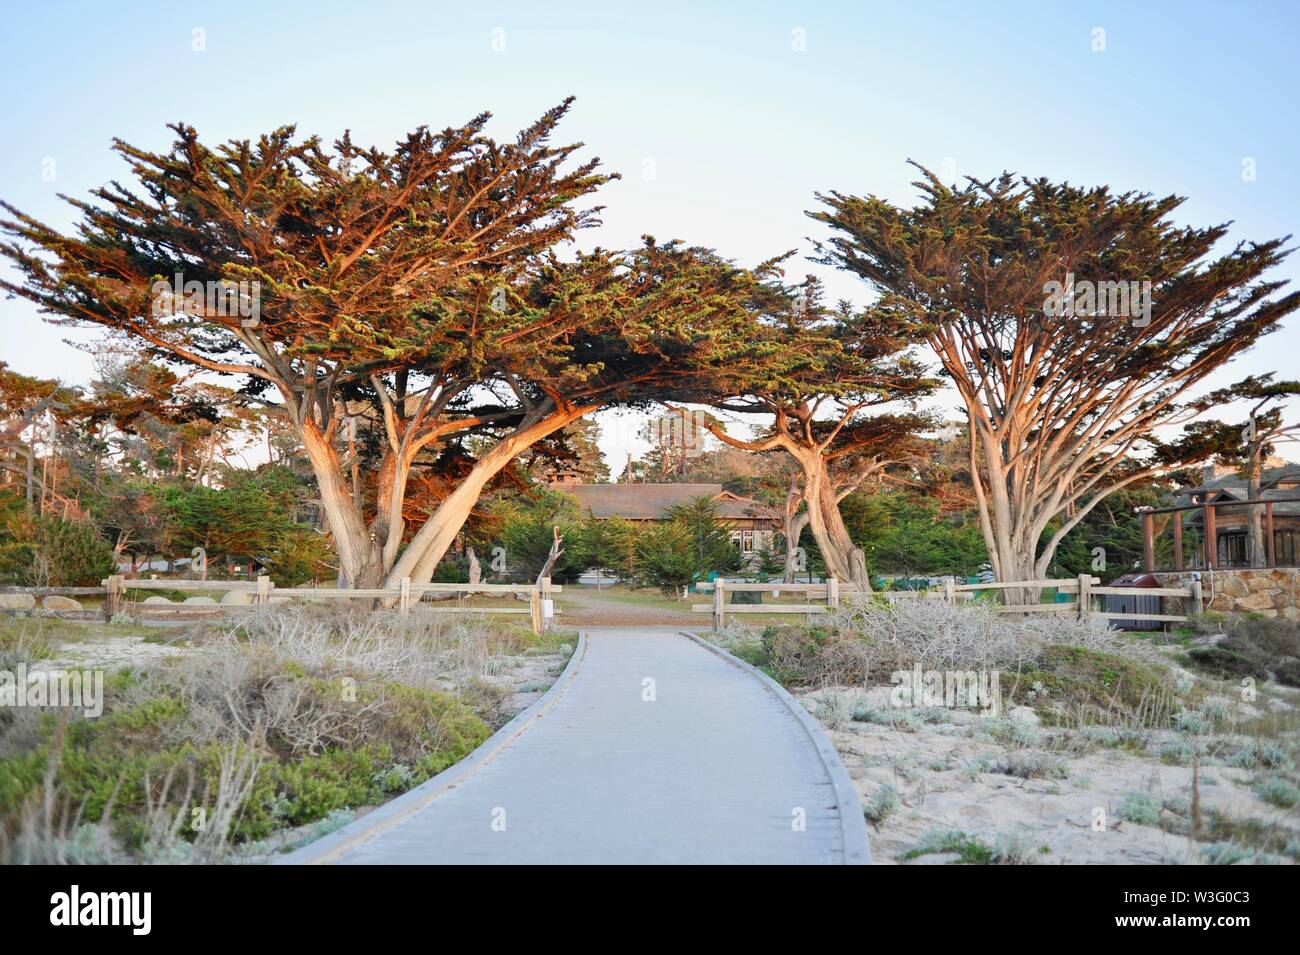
(50, 552)
(1278, 791)
(452, 569)
(1141, 808)
(614, 546)
(297, 554)
(904, 533)
(770, 559)
(252, 519)
(687, 547)
(1255, 648)
(525, 528)
(1092, 686)
(969, 849)
(710, 539)
(665, 558)
(881, 805)
(408, 735)
(1115, 526)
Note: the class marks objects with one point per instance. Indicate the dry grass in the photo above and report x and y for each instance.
(282, 719)
(969, 637)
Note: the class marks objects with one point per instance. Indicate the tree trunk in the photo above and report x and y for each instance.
(793, 530)
(389, 526)
(1256, 554)
(31, 474)
(792, 525)
(438, 533)
(552, 556)
(843, 558)
(360, 559)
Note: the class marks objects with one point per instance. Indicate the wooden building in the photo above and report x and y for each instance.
(752, 523)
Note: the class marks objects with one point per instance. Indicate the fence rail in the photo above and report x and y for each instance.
(540, 608)
(1085, 588)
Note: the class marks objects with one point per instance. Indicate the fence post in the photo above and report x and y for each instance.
(404, 603)
(719, 606)
(263, 590)
(950, 591)
(114, 589)
(1196, 598)
(1085, 596)
(535, 609)
(546, 595)
(832, 591)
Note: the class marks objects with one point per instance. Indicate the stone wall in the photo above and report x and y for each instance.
(1271, 593)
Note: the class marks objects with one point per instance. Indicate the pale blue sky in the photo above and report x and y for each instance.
(722, 127)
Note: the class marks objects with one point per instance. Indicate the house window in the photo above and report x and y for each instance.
(1232, 550)
(747, 541)
(1286, 547)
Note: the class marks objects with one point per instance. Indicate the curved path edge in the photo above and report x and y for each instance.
(331, 847)
(853, 824)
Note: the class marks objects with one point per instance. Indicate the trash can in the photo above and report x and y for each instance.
(1134, 603)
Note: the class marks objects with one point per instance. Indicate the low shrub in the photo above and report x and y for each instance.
(969, 849)
(1025, 764)
(1260, 754)
(1086, 686)
(868, 640)
(284, 721)
(1017, 847)
(1258, 647)
(1008, 732)
(814, 656)
(1278, 792)
(1230, 853)
(881, 805)
(1141, 808)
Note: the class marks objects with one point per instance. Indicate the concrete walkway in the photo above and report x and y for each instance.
(650, 748)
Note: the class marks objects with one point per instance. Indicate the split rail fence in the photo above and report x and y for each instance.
(540, 607)
(830, 594)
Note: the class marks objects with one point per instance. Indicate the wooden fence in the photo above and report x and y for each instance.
(540, 606)
(832, 592)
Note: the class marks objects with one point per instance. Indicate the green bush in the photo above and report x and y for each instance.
(49, 552)
(881, 805)
(402, 736)
(1140, 808)
(689, 546)
(1093, 686)
(969, 849)
(1278, 791)
(1256, 647)
(525, 528)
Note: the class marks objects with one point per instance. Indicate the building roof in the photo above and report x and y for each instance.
(651, 502)
(1274, 483)
(1234, 483)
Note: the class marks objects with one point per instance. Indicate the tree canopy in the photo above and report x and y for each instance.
(1075, 323)
(416, 289)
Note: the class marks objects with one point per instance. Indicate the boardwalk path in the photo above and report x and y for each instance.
(719, 767)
